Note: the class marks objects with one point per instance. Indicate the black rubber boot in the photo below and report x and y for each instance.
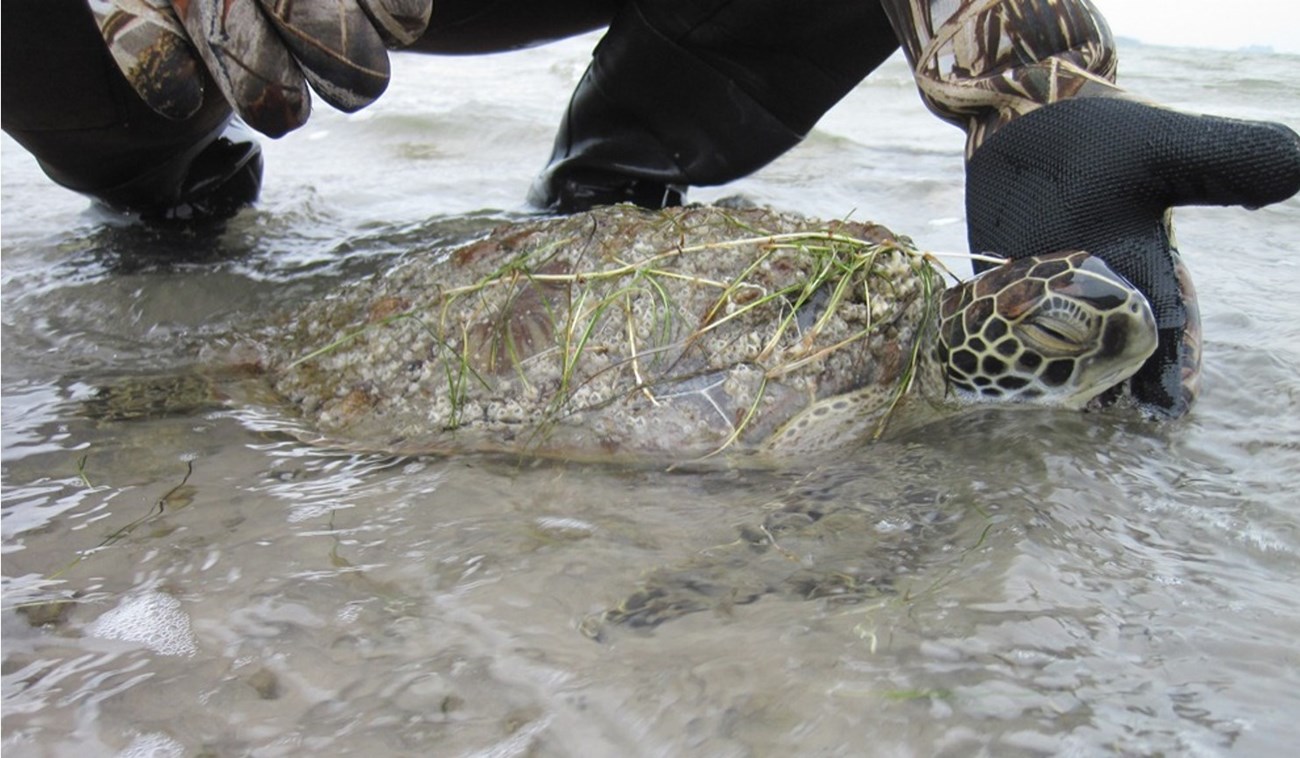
(696, 92)
(208, 183)
(648, 119)
(603, 156)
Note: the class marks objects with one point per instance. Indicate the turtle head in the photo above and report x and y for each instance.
(1054, 330)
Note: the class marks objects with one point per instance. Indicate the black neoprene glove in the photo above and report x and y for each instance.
(1100, 174)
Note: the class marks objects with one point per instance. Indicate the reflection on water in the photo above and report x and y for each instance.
(198, 582)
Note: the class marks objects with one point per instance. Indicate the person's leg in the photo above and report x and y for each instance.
(64, 100)
(702, 92)
(470, 27)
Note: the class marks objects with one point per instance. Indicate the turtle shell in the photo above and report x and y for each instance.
(618, 331)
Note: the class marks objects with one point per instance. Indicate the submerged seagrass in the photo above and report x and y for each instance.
(679, 333)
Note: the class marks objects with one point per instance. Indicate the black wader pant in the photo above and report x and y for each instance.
(679, 92)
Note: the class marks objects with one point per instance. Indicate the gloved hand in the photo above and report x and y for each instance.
(1100, 174)
(261, 53)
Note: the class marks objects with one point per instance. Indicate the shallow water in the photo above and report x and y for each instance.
(1002, 583)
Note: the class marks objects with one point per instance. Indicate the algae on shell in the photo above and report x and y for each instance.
(619, 331)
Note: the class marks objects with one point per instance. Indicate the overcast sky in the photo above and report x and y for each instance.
(1224, 24)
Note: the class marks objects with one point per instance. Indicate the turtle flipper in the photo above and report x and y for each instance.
(835, 423)
(152, 397)
(823, 543)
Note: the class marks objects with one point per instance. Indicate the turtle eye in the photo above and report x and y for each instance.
(1058, 330)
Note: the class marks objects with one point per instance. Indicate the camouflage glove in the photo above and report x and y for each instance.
(1100, 174)
(261, 53)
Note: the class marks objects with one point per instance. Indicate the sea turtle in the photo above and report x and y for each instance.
(675, 334)
(628, 333)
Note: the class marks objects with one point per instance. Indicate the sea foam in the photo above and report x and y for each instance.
(154, 619)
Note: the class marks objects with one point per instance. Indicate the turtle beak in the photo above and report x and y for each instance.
(1128, 340)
